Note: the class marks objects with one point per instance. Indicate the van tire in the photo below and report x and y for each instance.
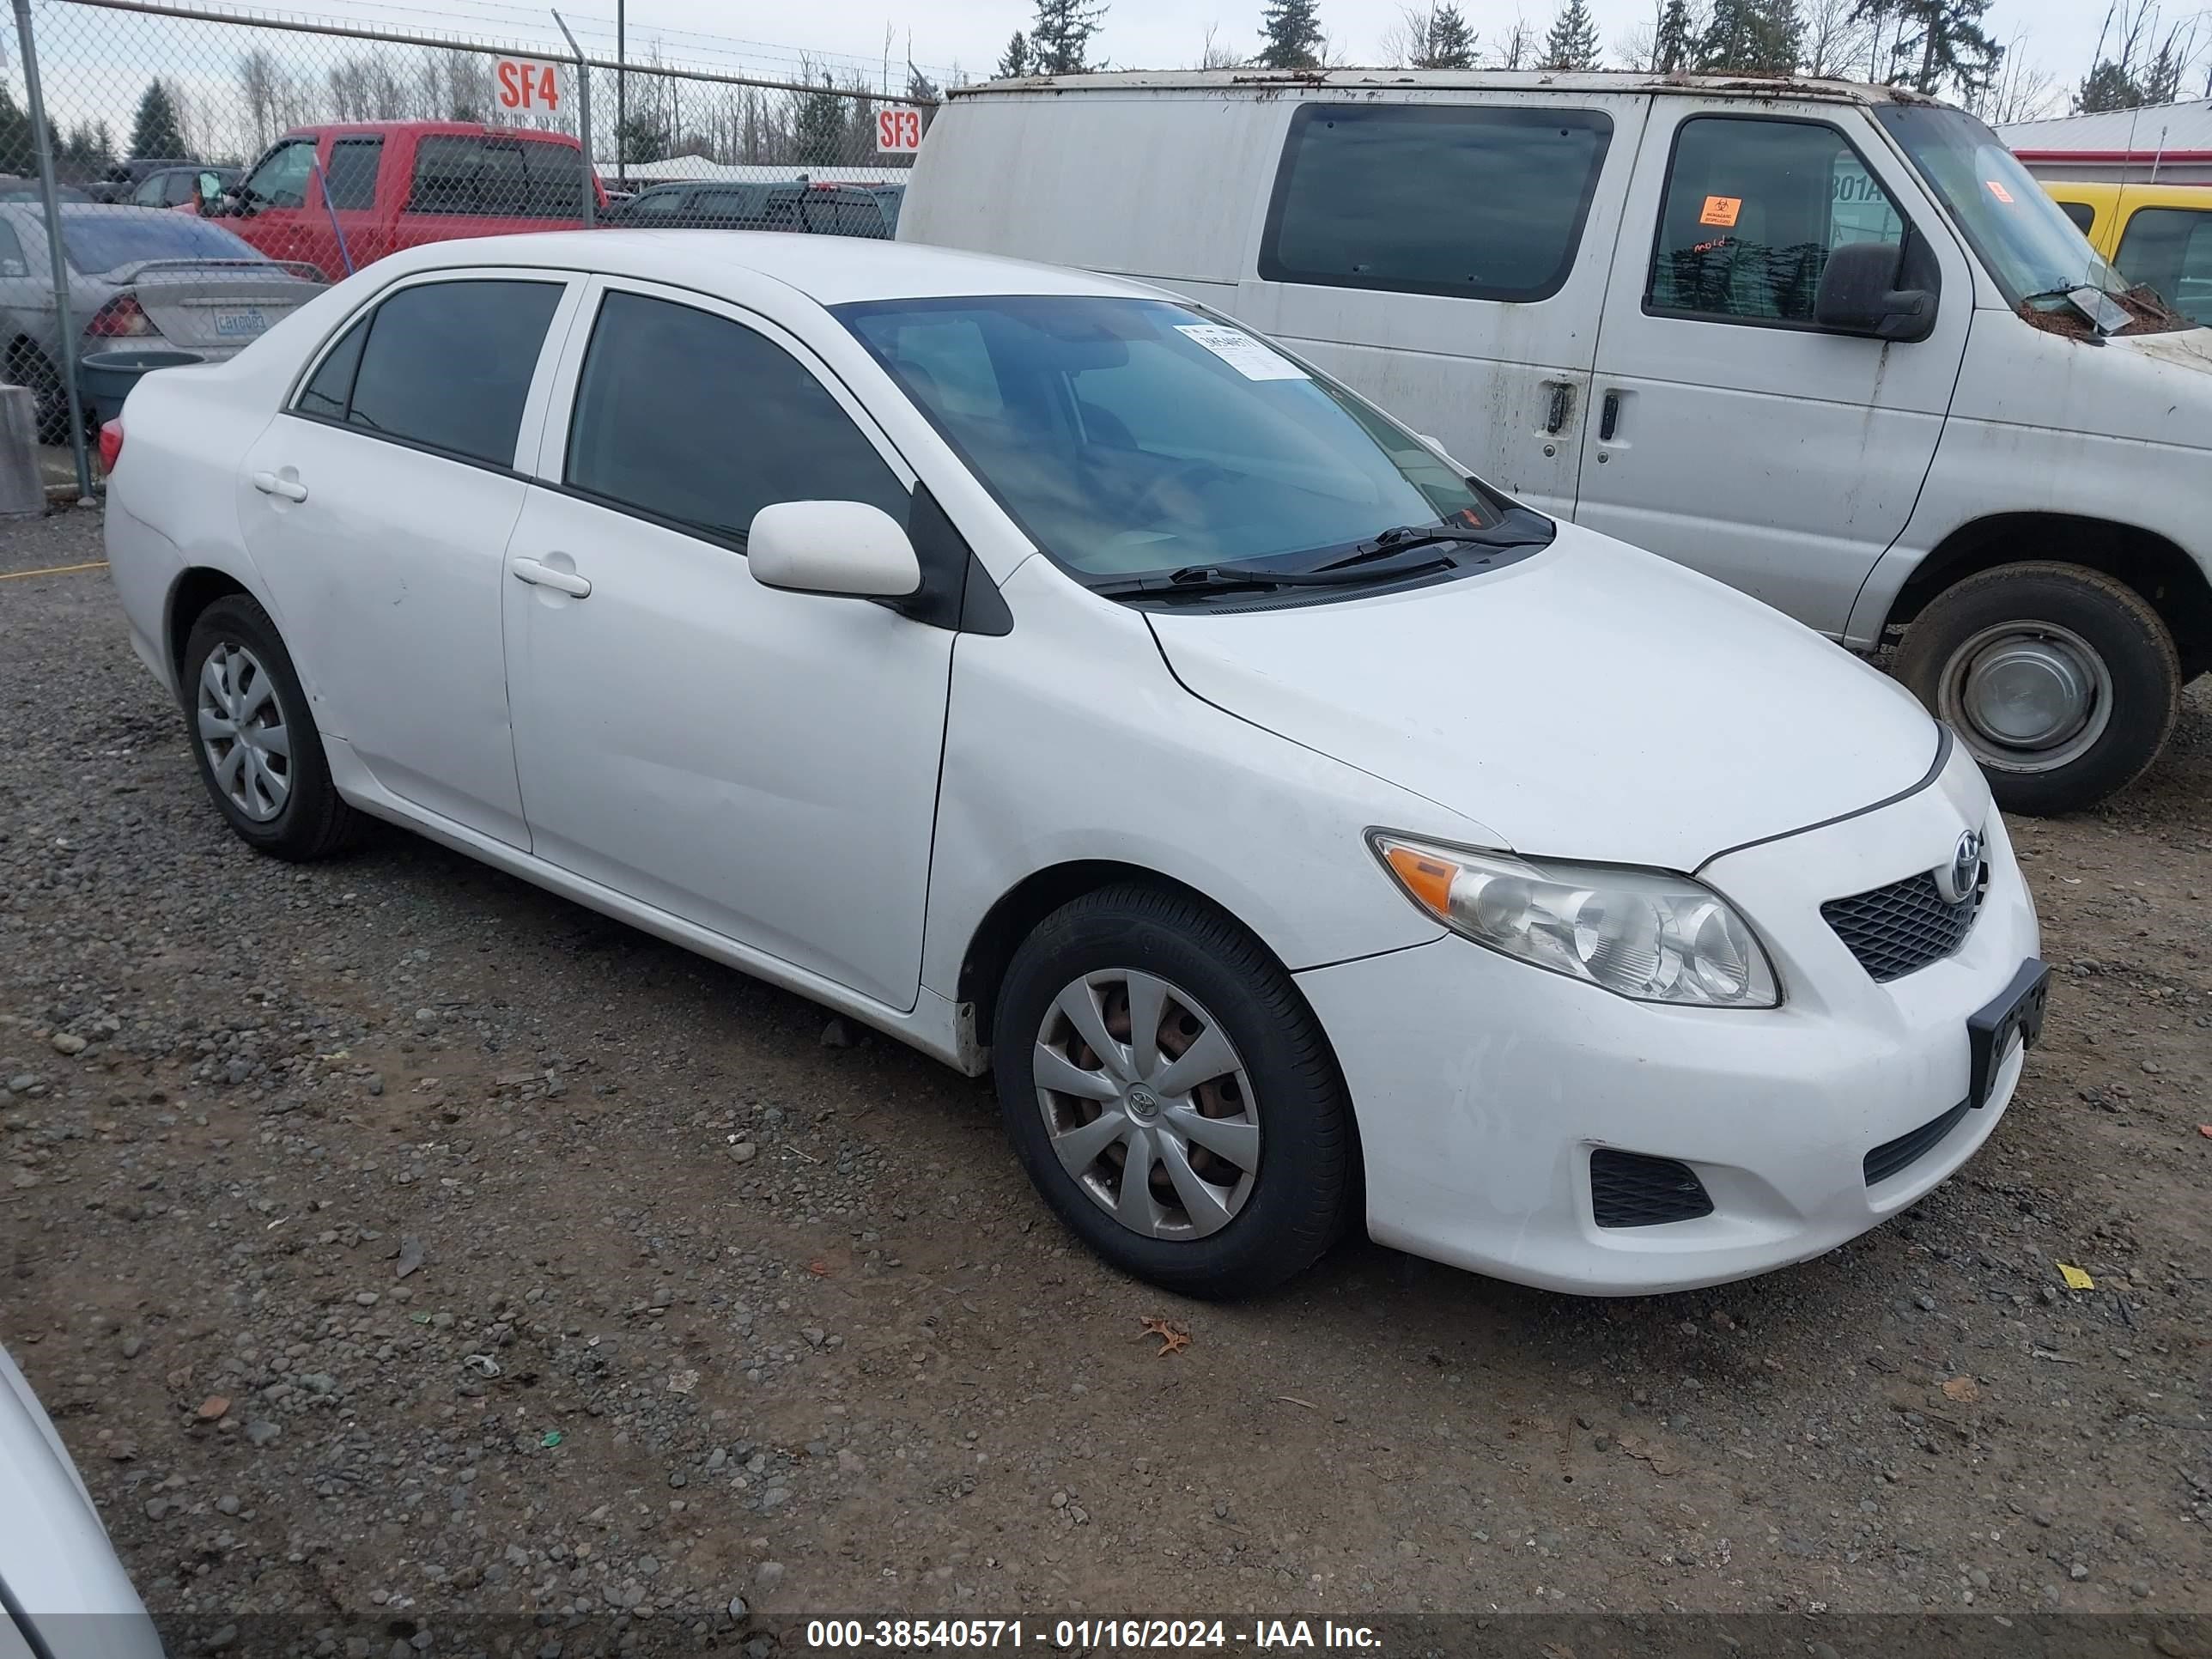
(2105, 656)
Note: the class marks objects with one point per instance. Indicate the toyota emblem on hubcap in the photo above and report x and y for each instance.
(1957, 881)
(1143, 1102)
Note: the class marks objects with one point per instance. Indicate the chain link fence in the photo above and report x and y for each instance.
(324, 146)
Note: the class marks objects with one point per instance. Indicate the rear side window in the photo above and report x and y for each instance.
(1483, 203)
(2083, 215)
(12, 262)
(2171, 249)
(349, 181)
(692, 418)
(1753, 207)
(495, 176)
(445, 365)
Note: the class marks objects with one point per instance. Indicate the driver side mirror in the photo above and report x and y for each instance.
(846, 548)
(1858, 294)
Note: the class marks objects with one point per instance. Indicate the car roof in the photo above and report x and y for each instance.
(427, 129)
(1271, 83)
(828, 270)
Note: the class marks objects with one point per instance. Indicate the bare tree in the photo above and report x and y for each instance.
(1837, 36)
(1212, 54)
(1518, 46)
(2023, 91)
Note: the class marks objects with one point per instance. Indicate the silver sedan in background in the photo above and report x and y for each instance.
(139, 278)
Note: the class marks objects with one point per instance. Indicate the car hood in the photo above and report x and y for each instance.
(1592, 701)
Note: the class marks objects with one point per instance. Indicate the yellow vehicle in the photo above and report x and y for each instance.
(2160, 234)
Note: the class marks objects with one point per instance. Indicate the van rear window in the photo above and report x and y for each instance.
(1483, 203)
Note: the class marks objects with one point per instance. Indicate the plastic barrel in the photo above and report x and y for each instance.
(104, 379)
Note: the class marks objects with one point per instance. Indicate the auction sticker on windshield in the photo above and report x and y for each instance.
(1247, 355)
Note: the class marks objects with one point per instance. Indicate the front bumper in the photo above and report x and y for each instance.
(1483, 1085)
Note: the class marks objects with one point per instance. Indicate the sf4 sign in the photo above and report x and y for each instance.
(898, 131)
(526, 86)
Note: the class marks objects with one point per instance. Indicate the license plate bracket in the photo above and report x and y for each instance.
(2016, 1012)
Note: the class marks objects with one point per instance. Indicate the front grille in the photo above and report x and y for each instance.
(1628, 1189)
(1891, 1156)
(1905, 926)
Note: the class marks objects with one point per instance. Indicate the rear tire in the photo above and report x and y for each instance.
(254, 738)
(30, 368)
(2063, 682)
(1258, 1191)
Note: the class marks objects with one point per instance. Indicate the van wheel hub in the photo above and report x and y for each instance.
(2027, 696)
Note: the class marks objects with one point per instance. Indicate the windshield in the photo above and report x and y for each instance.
(102, 238)
(2024, 237)
(1134, 436)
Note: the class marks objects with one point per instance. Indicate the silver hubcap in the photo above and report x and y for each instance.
(241, 725)
(1148, 1104)
(2027, 696)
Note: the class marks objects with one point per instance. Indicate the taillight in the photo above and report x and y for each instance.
(122, 317)
(111, 445)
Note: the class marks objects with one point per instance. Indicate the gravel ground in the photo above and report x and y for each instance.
(396, 1245)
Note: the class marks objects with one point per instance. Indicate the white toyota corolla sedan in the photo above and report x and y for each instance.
(1062, 680)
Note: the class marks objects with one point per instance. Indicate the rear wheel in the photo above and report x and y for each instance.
(31, 368)
(255, 740)
(2062, 681)
(1170, 1093)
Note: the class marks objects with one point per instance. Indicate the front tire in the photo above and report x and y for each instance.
(254, 739)
(1171, 1094)
(2062, 681)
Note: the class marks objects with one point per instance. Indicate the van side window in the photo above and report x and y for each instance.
(2083, 215)
(2171, 249)
(1753, 207)
(1481, 203)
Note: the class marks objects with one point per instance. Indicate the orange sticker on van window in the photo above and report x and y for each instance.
(1999, 191)
(1721, 209)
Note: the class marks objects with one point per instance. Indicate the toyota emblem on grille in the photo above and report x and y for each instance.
(1957, 880)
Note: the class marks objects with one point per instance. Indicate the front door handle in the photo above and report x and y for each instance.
(290, 489)
(1608, 418)
(1563, 404)
(544, 576)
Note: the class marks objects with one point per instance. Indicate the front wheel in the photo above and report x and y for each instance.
(1170, 1093)
(2062, 681)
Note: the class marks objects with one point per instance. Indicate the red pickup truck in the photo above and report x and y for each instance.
(341, 195)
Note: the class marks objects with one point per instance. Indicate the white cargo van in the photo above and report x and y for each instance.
(1828, 342)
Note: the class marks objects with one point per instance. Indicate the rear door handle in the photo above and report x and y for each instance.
(290, 489)
(544, 576)
(1609, 419)
(1563, 404)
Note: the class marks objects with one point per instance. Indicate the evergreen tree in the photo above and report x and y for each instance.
(18, 149)
(2108, 87)
(1290, 35)
(1060, 39)
(1941, 42)
(1675, 45)
(1747, 37)
(820, 129)
(643, 136)
(1017, 59)
(157, 131)
(1448, 43)
(1573, 43)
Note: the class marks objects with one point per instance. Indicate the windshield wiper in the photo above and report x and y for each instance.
(1517, 528)
(1198, 579)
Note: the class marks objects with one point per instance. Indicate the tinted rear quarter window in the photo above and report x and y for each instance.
(448, 366)
(2171, 249)
(1483, 203)
(496, 177)
(2083, 215)
(349, 181)
(693, 418)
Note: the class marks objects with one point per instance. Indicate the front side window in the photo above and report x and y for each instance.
(1135, 437)
(349, 181)
(700, 422)
(1482, 204)
(655, 205)
(2170, 249)
(281, 180)
(1752, 210)
(446, 366)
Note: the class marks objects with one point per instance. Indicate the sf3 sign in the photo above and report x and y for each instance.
(898, 131)
(526, 86)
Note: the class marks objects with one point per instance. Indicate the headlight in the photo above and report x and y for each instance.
(1641, 933)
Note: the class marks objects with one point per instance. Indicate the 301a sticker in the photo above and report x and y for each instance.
(1721, 211)
(1251, 358)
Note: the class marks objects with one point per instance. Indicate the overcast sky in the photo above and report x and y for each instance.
(2056, 35)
